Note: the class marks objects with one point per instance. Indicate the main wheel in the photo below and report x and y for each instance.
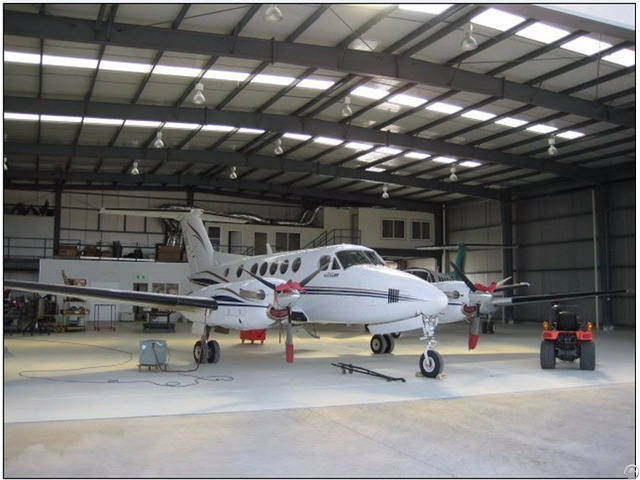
(432, 364)
(547, 354)
(213, 351)
(491, 327)
(390, 343)
(588, 356)
(378, 344)
(197, 352)
(485, 326)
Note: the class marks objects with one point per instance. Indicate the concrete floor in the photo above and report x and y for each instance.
(75, 405)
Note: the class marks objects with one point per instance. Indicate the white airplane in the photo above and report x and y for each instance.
(468, 300)
(340, 284)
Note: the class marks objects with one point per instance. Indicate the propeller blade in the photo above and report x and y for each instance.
(289, 343)
(464, 278)
(261, 280)
(474, 329)
(503, 281)
(310, 277)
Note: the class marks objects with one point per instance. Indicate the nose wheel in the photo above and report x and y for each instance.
(431, 364)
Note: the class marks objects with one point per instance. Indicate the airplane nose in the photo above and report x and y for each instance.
(440, 299)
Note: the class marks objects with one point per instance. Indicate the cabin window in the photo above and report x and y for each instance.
(392, 229)
(263, 268)
(273, 268)
(226, 272)
(254, 268)
(420, 230)
(295, 266)
(239, 271)
(284, 266)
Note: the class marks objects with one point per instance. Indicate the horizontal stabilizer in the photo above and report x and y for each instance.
(180, 303)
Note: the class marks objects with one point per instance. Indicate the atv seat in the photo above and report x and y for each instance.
(567, 321)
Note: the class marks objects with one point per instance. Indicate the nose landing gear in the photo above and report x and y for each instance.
(431, 362)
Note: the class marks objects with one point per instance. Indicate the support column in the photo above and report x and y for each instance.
(506, 221)
(190, 197)
(601, 257)
(57, 214)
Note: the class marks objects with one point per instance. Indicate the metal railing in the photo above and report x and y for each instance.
(335, 237)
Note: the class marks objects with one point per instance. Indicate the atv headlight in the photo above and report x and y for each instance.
(545, 325)
(589, 326)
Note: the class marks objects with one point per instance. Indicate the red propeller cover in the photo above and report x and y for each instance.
(486, 289)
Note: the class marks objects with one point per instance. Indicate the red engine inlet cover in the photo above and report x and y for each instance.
(468, 309)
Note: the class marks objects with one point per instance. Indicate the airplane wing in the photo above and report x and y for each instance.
(548, 297)
(180, 303)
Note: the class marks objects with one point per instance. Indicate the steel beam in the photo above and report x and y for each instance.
(287, 123)
(358, 62)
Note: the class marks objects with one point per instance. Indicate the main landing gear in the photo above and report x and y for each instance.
(205, 349)
(431, 362)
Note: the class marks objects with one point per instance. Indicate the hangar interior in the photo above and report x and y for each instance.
(401, 127)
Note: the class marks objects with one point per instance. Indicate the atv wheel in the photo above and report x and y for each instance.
(547, 354)
(588, 356)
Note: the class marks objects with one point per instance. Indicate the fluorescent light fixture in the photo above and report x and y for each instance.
(407, 100)
(443, 107)
(55, 61)
(358, 146)
(570, 134)
(478, 115)
(177, 71)
(19, 57)
(142, 123)
(625, 57)
(251, 131)
(375, 169)
(181, 126)
(297, 136)
(586, 45)
(511, 122)
(217, 128)
(103, 121)
(226, 75)
(388, 150)
(497, 19)
(368, 92)
(328, 141)
(542, 129)
(124, 66)
(315, 84)
(26, 117)
(429, 8)
(541, 32)
(444, 160)
(273, 80)
(60, 119)
(417, 155)
(371, 157)
(470, 164)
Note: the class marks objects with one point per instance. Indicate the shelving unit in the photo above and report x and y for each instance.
(74, 313)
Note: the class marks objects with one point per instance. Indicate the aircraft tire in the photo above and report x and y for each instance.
(432, 364)
(378, 344)
(213, 351)
(547, 354)
(197, 352)
(588, 356)
(485, 328)
(491, 327)
(390, 343)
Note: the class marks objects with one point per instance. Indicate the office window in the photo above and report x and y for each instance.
(287, 241)
(421, 230)
(392, 228)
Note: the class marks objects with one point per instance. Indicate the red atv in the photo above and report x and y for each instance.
(567, 337)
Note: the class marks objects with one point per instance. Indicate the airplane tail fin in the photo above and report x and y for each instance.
(200, 253)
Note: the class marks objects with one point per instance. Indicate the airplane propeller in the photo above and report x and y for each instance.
(281, 312)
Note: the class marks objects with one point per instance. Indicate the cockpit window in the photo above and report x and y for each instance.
(348, 258)
(323, 263)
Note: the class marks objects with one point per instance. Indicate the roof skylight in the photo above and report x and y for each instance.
(217, 128)
(358, 146)
(103, 121)
(128, 67)
(478, 115)
(315, 84)
(497, 19)
(444, 159)
(181, 126)
(541, 32)
(540, 128)
(56, 61)
(375, 169)
(570, 134)
(586, 45)
(226, 75)
(142, 123)
(368, 92)
(251, 131)
(625, 57)
(407, 100)
(60, 119)
(273, 80)
(388, 150)
(511, 122)
(417, 155)
(177, 71)
(328, 141)
(470, 164)
(25, 117)
(19, 57)
(443, 107)
(430, 8)
(297, 136)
